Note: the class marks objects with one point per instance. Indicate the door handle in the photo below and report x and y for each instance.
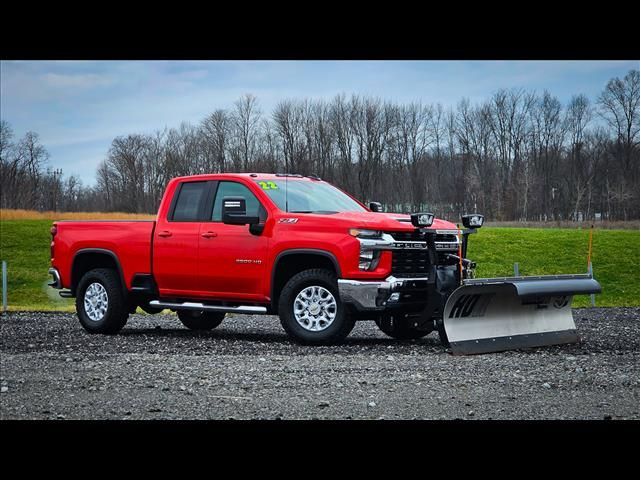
(209, 235)
(165, 233)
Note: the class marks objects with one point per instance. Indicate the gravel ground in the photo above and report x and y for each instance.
(248, 369)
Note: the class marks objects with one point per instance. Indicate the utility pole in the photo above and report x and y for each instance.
(57, 174)
(553, 202)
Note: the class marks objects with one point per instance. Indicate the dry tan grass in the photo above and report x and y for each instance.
(10, 214)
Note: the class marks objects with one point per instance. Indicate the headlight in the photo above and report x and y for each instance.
(369, 257)
(473, 220)
(362, 233)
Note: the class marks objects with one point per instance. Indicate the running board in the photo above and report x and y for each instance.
(209, 308)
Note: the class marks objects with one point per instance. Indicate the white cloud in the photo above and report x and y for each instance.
(86, 80)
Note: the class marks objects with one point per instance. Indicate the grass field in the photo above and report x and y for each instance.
(24, 244)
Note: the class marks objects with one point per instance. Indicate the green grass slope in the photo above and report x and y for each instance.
(548, 251)
(24, 244)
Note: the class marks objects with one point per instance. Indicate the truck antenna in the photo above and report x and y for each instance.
(286, 184)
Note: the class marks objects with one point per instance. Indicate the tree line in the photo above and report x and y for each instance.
(518, 155)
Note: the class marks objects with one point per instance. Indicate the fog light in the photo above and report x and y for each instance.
(366, 257)
(394, 297)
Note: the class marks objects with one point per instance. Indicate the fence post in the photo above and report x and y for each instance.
(4, 286)
(516, 269)
(593, 296)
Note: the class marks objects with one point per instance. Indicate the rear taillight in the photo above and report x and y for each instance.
(53, 231)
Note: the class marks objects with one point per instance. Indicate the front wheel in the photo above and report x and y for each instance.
(311, 311)
(398, 327)
(442, 333)
(200, 320)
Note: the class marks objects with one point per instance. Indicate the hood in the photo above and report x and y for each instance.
(383, 221)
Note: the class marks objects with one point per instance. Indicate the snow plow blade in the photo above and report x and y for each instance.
(496, 314)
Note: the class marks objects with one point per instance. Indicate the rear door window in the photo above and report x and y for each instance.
(190, 201)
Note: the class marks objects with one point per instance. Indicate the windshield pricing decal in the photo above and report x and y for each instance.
(268, 185)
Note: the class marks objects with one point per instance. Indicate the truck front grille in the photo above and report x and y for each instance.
(409, 264)
(412, 261)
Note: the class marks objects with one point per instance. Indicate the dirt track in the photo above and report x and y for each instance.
(249, 369)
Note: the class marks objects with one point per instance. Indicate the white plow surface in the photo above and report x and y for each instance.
(496, 314)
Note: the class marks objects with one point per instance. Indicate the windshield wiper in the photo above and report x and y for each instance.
(322, 212)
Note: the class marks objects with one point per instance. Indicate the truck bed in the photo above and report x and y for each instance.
(129, 240)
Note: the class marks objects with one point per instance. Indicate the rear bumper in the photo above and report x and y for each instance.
(57, 282)
(375, 295)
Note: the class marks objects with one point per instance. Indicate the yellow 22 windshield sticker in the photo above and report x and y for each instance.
(268, 185)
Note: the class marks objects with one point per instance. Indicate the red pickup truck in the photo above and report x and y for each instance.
(305, 250)
(260, 244)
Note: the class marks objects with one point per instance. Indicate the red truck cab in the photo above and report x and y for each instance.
(259, 243)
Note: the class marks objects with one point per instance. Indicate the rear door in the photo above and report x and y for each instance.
(176, 239)
(232, 259)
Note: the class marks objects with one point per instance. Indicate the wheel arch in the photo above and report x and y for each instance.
(290, 262)
(87, 259)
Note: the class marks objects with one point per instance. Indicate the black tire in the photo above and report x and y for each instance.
(398, 327)
(145, 307)
(116, 314)
(338, 329)
(442, 333)
(200, 320)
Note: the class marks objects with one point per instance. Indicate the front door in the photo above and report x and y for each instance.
(232, 259)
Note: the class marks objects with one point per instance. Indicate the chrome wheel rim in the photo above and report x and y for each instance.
(96, 301)
(315, 308)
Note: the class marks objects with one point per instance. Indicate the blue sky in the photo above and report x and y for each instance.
(78, 107)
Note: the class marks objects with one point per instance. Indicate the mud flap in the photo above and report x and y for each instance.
(496, 314)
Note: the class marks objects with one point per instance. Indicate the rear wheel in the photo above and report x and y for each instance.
(100, 301)
(399, 327)
(200, 320)
(311, 311)
(149, 309)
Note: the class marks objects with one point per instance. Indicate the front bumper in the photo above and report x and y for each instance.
(375, 295)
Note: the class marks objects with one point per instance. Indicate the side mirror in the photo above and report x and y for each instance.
(234, 212)
(375, 206)
(473, 220)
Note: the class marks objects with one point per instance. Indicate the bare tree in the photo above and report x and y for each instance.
(516, 155)
(246, 118)
(579, 171)
(33, 156)
(215, 132)
(620, 107)
(288, 118)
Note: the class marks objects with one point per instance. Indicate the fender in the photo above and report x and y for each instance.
(307, 251)
(104, 251)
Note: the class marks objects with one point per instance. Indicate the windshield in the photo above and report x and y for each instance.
(309, 197)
